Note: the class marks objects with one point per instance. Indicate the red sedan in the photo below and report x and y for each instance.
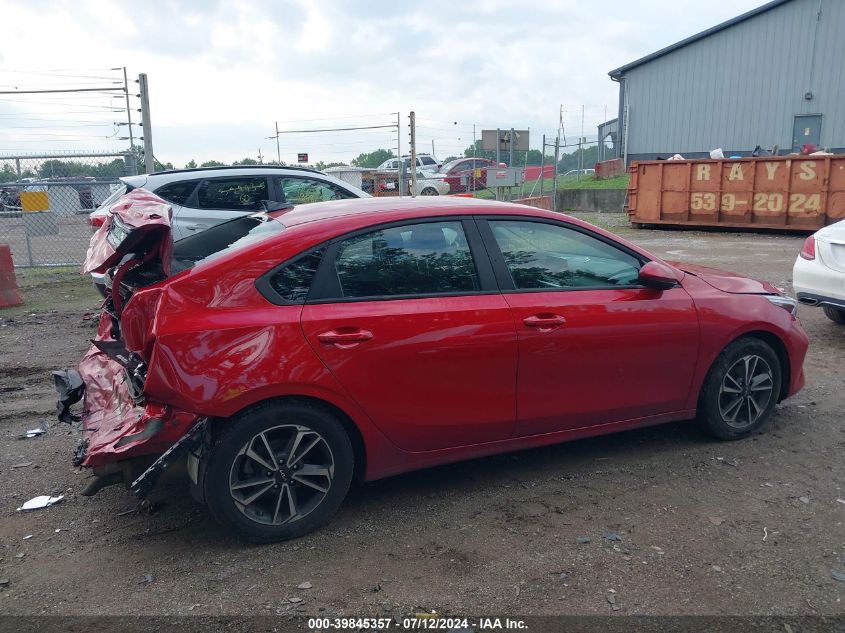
(288, 352)
(466, 174)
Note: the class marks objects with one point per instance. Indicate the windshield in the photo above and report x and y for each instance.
(223, 238)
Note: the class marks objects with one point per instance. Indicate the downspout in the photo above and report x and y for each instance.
(812, 73)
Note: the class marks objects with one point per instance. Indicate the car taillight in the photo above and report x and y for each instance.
(808, 251)
(96, 221)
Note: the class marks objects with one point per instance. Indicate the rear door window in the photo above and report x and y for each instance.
(297, 190)
(424, 259)
(177, 192)
(234, 194)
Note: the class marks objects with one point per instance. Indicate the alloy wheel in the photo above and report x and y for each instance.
(281, 474)
(745, 391)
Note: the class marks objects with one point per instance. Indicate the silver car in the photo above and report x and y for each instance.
(206, 196)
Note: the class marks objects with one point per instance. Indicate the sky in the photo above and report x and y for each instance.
(223, 73)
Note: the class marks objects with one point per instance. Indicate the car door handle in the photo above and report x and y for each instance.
(345, 338)
(545, 321)
(196, 227)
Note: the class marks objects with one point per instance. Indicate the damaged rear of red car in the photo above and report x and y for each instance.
(124, 425)
(133, 248)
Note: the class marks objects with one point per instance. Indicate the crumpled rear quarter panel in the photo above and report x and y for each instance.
(110, 414)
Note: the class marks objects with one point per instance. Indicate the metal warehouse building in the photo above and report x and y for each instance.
(774, 76)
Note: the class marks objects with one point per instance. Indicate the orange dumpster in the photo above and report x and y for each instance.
(788, 192)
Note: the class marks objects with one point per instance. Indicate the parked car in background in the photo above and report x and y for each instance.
(580, 172)
(425, 162)
(205, 196)
(428, 184)
(466, 174)
(818, 276)
(10, 201)
(285, 354)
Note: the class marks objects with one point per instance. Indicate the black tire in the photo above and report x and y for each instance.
(837, 315)
(728, 381)
(232, 462)
(429, 191)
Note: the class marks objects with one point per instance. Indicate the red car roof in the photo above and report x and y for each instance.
(339, 216)
(399, 208)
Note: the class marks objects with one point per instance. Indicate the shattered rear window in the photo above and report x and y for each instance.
(223, 238)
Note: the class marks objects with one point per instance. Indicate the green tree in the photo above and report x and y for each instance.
(7, 174)
(584, 158)
(212, 163)
(372, 159)
(246, 161)
(321, 166)
(191, 164)
(157, 164)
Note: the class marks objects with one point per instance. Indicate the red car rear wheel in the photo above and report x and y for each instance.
(278, 471)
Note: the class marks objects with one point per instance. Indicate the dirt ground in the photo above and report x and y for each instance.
(750, 527)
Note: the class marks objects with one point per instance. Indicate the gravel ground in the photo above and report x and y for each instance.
(657, 521)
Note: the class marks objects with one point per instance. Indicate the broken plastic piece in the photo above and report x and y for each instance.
(40, 430)
(36, 503)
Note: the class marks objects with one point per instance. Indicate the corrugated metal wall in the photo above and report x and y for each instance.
(742, 86)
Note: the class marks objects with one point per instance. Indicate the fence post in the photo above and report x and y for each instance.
(543, 167)
(554, 189)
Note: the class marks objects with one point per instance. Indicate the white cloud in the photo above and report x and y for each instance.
(221, 73)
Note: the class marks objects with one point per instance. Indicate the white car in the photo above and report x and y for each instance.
(429, 185)
(425, 162)
(205, 196)
(818, 276)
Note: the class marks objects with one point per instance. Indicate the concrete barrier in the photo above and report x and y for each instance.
(591, 200)
(540, 202)
(9, 293)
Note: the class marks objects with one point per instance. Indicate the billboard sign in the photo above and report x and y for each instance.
(520, 140)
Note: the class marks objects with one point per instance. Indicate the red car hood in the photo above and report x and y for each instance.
(727, 281)
(139, 223)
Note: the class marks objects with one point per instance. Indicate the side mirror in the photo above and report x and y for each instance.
(658, 276)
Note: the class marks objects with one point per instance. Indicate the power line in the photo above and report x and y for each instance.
(337, 118)
(29, 92)
(337, 129)
(60, 103)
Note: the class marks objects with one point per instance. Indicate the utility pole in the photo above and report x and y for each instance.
(543, 167)
(583, 140)
(128, 110)
(498, 153)
(278, 151)
(146, 124)
(510, 161)
(129, 120)
(554, 189)
(400, 180)
(474, 162)
(413, 133)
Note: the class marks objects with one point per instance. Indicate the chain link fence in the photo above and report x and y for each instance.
(45, 200)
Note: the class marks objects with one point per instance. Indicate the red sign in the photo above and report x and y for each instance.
(302, 158)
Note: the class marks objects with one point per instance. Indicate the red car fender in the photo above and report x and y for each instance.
(720, 331)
